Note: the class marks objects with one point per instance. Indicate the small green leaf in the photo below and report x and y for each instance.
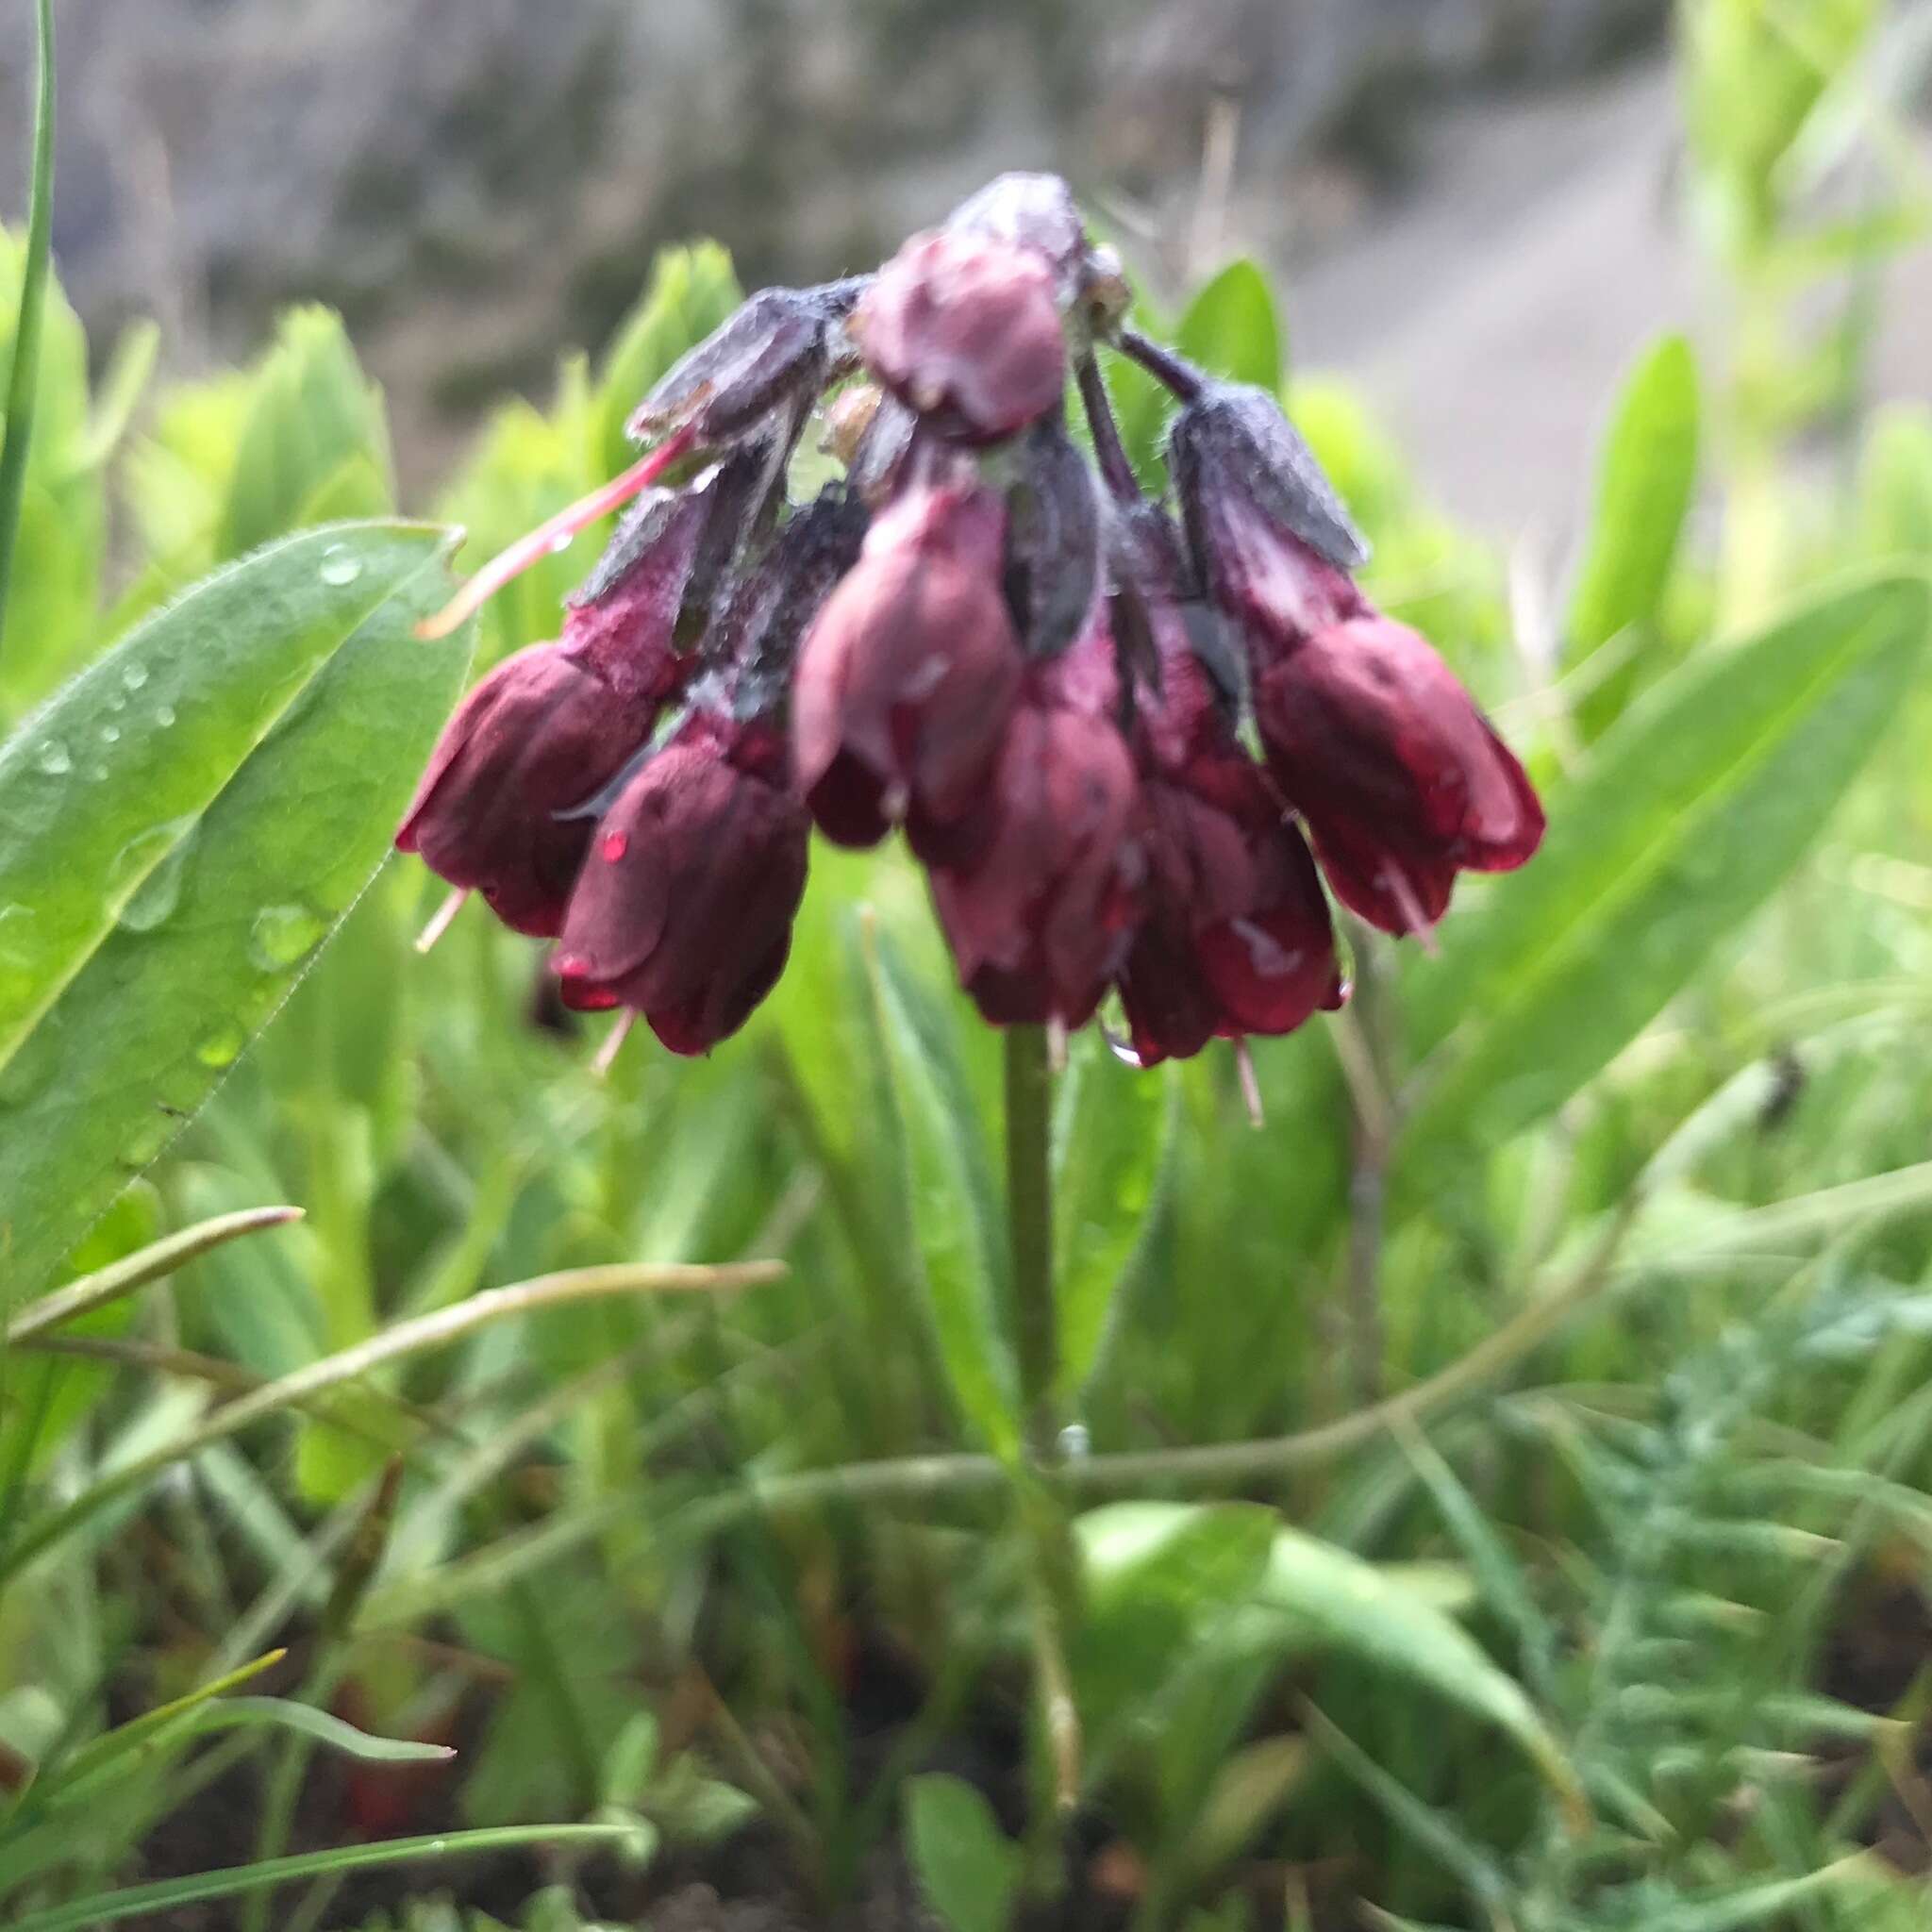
(1114, 1136)
(1324, 1599)
(1231, 330)
(955, 1204)
(180, 830)
(1646, 478)
(968, 1869)
(1691, 813)
(314, 442)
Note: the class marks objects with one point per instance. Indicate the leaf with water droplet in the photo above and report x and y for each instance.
(53, 758)
(251, 793)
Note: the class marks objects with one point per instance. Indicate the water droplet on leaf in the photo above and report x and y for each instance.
(222, 1048)
(165, 716)
(284, 934)
(55, 759)
(134, 675)
(146, 873)
(110, 734)
(146, 1139)
(339, 565)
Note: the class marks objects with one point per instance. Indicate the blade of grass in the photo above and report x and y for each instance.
(24, 382)
(139, 1900)
(137, 1269)
(436, 1330)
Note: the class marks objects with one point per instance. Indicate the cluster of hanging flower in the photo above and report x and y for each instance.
(983, 637)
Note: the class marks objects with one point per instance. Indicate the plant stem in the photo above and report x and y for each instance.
(1029, 1212)
(24, 382)
(1041, 1515)
(1174, 373)
(1116, 467)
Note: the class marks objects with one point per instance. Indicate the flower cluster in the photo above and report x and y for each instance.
(987, 638)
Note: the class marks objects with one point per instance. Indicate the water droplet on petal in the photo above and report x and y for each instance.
(285, 935)
(134, 675)
(55, 759)
(339, 565)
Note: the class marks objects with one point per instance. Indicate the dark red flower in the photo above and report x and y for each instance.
(1236, 937)
(1402, 781)
(685, 904)
(1273, 545)
(966, 330)
(906, 676)
(538, 736)
(1039, 912)
(495, 811)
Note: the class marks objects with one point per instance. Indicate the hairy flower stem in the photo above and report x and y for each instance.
(1116, 468)
(1178, 377)
(1041, 1517)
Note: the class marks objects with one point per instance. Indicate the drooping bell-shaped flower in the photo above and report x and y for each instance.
(496, 810)
(1402, 781)
(1038, 892)
(905, 679)
(1235, 937)
(685, 904)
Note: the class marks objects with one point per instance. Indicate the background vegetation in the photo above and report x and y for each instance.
(1500, 1487)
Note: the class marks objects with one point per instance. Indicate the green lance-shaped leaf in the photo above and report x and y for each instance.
(1231, 328)
(955, 1204)
(1692, 811)
(181, 830)
(1648, 478)
(315, 443)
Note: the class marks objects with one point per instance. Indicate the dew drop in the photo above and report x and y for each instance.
(134, 675)
(110, 734)
(222, 1047)
(339, 565)
(96, 773)
(148, 872)
(165, 716)
(284, 934)
(613, 845)
(55, 759)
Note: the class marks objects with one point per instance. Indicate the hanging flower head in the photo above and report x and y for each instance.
(989, 635)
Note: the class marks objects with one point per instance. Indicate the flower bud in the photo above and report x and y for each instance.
(685, 904)
(1273, 545)
(966, 331)
(778, 348)
(1034, 212)
(905, 677)
(1039, 918)
(1401, 779)
(539, 735)
(1053, 542)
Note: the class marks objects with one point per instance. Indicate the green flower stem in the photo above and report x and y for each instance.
(1041, 1515)
(1029, 1212)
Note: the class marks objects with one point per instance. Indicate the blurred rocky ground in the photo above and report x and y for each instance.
(476, 182)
